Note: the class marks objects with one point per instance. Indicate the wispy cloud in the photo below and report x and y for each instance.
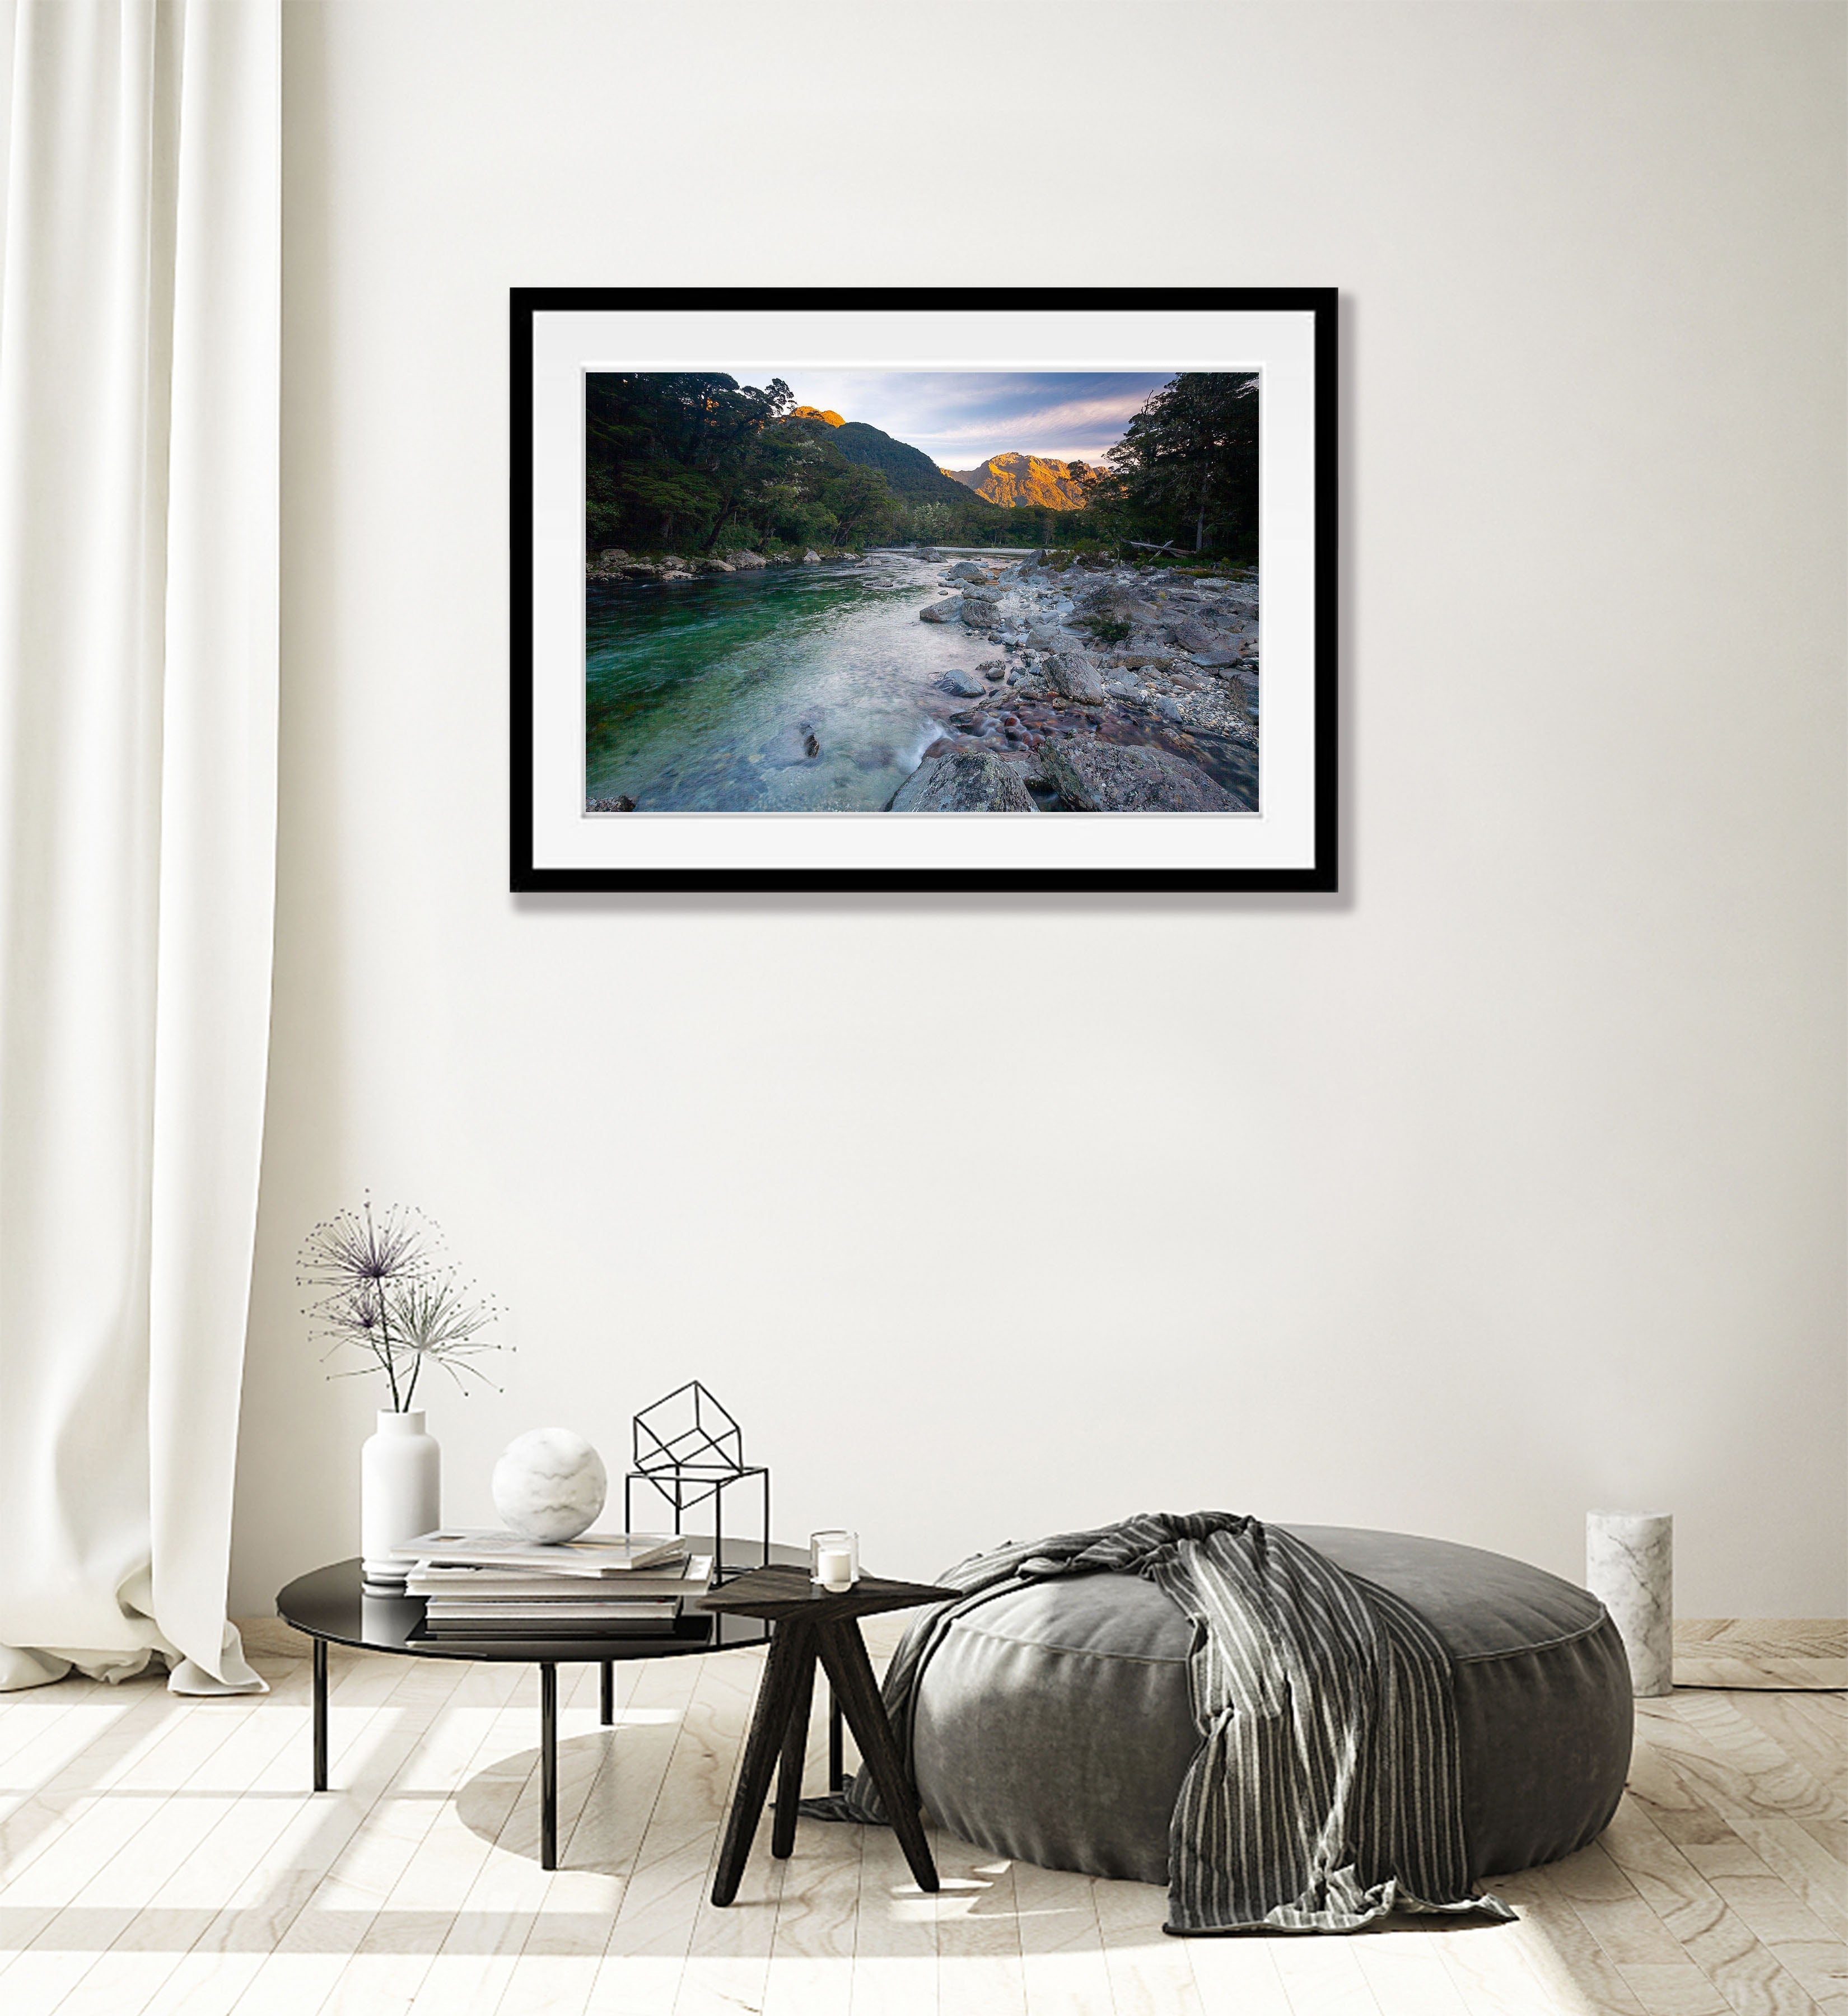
(961, 418)
(1088, 417)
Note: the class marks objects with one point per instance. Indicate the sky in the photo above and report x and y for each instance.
(961, 418)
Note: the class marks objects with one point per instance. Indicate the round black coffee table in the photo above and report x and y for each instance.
(332, 1606)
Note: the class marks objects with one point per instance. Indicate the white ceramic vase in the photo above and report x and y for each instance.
(400, 1474)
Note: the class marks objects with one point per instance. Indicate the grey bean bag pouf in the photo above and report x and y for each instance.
(1054, 1725)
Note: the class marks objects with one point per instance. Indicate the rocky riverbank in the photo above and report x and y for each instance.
(614, 564)
(1117, 688)
(1046, 683)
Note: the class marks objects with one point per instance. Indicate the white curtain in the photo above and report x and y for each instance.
(139, 384)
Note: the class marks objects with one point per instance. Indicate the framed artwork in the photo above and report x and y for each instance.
(1011, 589)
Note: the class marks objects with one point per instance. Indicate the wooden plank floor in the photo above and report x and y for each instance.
(161, 1857)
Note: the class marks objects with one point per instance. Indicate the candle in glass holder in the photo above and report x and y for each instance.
(834, 1559)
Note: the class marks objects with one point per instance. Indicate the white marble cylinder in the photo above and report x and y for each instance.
(1629, 1567)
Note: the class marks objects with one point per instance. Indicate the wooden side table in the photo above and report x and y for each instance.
(811, 1624)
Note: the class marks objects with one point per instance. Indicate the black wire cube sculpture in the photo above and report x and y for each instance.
(688, 1448)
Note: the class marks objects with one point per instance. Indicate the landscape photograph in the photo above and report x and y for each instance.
(836, 590)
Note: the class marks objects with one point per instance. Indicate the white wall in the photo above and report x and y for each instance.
(1509, 1183)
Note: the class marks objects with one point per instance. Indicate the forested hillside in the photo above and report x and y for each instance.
(912, 474)
(692, 459)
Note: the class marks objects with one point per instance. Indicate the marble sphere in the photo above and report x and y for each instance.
(550, 1484)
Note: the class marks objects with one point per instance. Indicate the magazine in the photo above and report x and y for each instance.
(590, 1553)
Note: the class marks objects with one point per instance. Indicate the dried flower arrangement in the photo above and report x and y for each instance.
(386, 1289)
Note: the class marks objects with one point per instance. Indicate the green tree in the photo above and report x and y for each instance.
(861, 502)
(1187, 464)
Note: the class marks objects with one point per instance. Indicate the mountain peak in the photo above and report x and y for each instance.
(1012, 478)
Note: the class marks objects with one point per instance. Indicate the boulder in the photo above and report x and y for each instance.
(963, 784)
(639, 570)
(962, 684)
(1112, 605)
(968, 571)
(811, 558)
(1194, 636)
(743, 562)
(1094, 776)
(711, 563)
(1072, 674)
(946, 611)
(612, 555)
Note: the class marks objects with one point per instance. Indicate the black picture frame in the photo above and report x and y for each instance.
(1316, 873)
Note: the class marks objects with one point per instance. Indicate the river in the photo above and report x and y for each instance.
(705, 695)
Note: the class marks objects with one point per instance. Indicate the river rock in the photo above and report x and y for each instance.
(711, 563)
(1117, 605)
(1094, 776)
(946, 611)
(964, 684)
(1072, 674)
(811, 558)
(973, 783)
(968, 571)
(1195, 636)
(795, 744)
(745, 562)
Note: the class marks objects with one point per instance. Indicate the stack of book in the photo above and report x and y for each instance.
(487, 1586)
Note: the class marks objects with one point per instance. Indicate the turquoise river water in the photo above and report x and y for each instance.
(705, 695)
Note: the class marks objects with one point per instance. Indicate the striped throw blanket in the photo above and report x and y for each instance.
(1327, 1789)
